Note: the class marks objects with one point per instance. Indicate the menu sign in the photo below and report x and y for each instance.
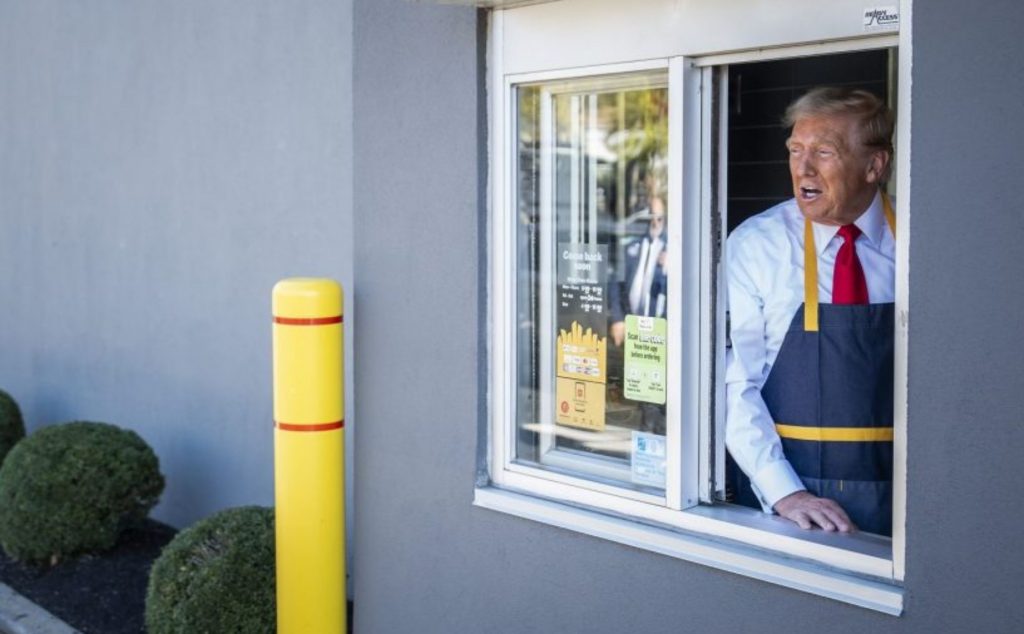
(581, 357)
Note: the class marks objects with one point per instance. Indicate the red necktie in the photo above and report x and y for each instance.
(848, 284)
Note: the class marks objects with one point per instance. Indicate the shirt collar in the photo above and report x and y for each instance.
(871, 223)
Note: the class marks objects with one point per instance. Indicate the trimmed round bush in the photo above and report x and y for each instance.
(12, 427)
(73, 488)
(216, 576)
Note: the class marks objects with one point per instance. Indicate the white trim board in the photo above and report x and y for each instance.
(743, 560)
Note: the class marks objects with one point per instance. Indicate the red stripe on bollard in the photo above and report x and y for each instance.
(317, 427)
(308, 321)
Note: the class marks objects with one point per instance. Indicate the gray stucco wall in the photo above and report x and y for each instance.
(163, 164)
(965, 559)
(427, 561)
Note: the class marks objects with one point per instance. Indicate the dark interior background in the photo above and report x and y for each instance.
(758, 167)
(758, 96)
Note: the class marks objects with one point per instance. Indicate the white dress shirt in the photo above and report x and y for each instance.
(765, 270)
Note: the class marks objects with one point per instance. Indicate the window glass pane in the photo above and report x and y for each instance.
(591, 278)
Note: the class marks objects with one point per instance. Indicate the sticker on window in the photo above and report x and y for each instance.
(648, 459)
(646, 359)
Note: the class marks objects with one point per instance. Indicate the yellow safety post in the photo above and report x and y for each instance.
(309, 451)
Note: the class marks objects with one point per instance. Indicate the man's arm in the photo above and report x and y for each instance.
(750, 431)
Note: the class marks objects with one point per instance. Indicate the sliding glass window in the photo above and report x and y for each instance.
(591, 279)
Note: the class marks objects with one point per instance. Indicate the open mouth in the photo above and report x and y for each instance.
(809, 193)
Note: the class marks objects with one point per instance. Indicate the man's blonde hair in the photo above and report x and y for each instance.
(875, 118)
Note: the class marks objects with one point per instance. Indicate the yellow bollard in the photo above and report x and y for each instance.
(309, 450)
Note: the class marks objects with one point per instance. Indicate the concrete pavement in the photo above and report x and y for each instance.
(18, 615)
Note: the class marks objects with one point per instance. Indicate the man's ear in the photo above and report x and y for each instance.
(878, 166)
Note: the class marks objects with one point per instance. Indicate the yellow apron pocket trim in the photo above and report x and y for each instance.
(835, 434)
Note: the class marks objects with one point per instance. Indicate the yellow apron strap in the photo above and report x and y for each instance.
(810, 279)
(811, 266)
(890, 216)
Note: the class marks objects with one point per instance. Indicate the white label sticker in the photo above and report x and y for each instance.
(877, 18)
(648, 459)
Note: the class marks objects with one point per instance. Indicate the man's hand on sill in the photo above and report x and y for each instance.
(809, 510)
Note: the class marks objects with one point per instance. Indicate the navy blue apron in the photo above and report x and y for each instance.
(830, 393)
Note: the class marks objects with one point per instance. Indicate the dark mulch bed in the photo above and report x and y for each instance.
(101, 594)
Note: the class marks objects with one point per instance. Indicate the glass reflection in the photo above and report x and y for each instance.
(592, 278)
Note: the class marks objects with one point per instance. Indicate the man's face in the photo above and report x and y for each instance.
(657, 224)
(834, 176)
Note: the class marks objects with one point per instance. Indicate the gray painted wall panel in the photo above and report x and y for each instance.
(417, 213)
(965, 559)
(163, 165)
(429, 562)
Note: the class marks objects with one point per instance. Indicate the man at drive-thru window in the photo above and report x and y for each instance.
(811, 287)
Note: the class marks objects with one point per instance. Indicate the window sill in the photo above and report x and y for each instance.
(714, 552)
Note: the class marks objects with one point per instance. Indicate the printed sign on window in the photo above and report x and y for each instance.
(645, 359)
(580, 403)
(581, 356)
(648, 459)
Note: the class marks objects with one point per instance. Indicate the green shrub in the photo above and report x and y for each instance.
(12, 427)
(73, 488)
(216, 576)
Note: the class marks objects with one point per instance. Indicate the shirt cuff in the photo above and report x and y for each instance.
(774, 482)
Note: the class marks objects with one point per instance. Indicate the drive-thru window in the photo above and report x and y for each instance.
(627, 141)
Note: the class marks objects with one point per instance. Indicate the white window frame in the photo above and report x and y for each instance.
(870, 572)
(677, 496)
(553, 457)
